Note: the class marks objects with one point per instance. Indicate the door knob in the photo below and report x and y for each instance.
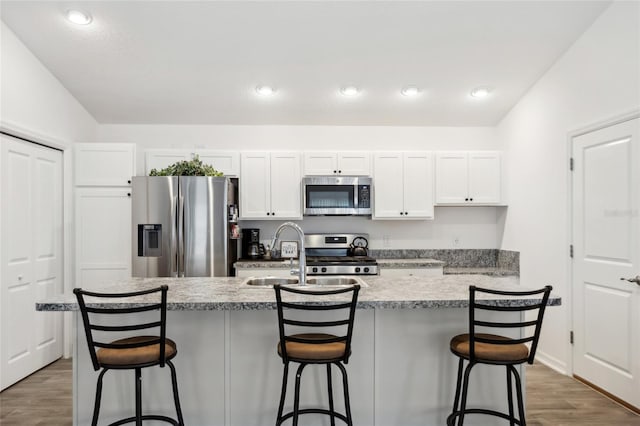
(632, 280)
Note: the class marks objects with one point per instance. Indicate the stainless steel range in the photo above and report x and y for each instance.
(339, 254)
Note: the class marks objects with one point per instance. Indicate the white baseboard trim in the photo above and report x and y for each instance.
(552, 362)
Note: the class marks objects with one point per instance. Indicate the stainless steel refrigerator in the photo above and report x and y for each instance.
(182, 226)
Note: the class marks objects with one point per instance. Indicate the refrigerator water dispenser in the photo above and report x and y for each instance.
(150, 240)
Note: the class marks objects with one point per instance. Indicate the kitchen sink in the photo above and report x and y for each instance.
(269, 281)
(313, 282)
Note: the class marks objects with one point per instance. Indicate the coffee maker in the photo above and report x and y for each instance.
(251, 243)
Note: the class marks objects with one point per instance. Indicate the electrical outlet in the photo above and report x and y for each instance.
(456, 241)
(386, 241)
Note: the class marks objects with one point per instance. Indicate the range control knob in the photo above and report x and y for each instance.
(314, 269)
(357, 269)
(324, 269)
(366, 269)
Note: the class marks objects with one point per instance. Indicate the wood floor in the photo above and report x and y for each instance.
(44, 398)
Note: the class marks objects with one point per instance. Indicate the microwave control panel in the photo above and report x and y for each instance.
(364, 196)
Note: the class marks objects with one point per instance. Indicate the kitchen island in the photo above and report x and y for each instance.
(401, 371)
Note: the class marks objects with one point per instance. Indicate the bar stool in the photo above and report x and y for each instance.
(131, 353)
(311, 347)
(486, 348)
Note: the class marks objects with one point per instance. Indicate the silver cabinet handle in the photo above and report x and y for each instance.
(632, 280)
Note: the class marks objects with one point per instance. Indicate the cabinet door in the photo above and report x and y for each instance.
(354, 163)
(388, 193)
(285, 185)
(104, 164)
(255, 185)
(451, 178)
(103, 235)
(160, 159)
(320, 163)
(418, 185)
(227, 162)
(485, 177)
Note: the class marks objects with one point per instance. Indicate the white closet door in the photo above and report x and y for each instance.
(31, 257)
(606, 233)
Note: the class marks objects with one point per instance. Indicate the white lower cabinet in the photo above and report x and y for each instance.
(103, 235)
(270, 185)
(403, 185)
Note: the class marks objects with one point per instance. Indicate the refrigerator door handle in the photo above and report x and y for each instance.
(173, 260)
(180, 227)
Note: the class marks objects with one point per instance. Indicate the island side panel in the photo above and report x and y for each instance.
(415, 372)
(200, 366)
(255, 372)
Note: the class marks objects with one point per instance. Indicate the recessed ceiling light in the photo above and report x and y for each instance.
(410, 91)
(78, 17)
(265, 90)
(480, 92)
(349, 91)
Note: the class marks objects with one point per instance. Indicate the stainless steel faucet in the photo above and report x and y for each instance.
(302, 267)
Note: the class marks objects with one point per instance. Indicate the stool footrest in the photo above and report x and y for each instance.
(313, 411)
(146, 417)
(453, 416)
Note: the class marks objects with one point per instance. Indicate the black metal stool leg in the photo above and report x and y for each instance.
(510, 396)
(465, 389)
(345, 385)
(523, 422)
(138, 373)
(296, 398)
(96, 404)
(456, 399)
(176, 397)
(330, 390)
(283, 393)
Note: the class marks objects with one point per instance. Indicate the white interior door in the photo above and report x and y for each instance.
(31, 257)
(606, 197)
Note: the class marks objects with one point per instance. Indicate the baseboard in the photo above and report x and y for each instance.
(552, 362)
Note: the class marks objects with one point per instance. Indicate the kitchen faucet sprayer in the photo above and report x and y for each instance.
(302, 267)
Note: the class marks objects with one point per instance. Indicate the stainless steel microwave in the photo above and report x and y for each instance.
(337, 195)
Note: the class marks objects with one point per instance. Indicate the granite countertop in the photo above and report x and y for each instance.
(392, 263)
(228, 293)
(382, 263)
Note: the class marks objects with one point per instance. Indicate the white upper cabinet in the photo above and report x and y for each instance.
(403, 185)
(345, 163)
(467, 178)
(270, 185)
(104, 164)
(227, 162)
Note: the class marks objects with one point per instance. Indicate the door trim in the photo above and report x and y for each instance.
(598, 125)
(21, 132)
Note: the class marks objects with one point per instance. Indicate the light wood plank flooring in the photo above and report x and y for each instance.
(44, 398)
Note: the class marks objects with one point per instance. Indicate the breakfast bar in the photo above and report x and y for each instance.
(401, 371)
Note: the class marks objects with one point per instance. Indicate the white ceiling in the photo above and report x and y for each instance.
(184, 62)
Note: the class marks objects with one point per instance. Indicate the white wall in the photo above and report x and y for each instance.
(467, 227)
(597, 78)
(33, 101)
(34, 105)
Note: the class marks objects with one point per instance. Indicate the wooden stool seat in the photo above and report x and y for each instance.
(489, 351)
(140, 355)
(314, 351)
